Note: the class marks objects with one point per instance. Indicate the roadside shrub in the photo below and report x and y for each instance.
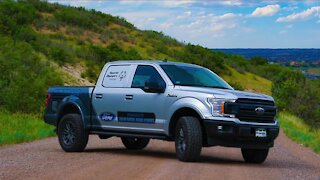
(43, 6)
(113, 52)
(293, 92)
(26, 33)
(24, 77)
(92, 71)
(285, 87)
(258, 61)
(7, 25)
(80, 17)
(21, 13)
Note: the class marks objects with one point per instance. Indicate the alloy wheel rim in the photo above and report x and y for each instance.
(68, 134)
(181, 141)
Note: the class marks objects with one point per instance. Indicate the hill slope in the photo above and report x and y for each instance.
(41, 37)
(47, 44)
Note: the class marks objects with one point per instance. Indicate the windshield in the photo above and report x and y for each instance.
(193, 76)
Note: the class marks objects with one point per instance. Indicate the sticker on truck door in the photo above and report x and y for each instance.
(136, 117)
(116, 76)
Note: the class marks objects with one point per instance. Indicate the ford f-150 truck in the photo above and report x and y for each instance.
(185, 103)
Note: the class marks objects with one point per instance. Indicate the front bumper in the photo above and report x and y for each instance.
(232, 134)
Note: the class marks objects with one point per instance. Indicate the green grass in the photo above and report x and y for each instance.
(249, 81)
(17, 128)
(296, 129)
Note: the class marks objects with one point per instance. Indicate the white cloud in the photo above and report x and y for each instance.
(231, 2)
(130, 2)
(176, 3)
(206, 25)
(164, 3)
(165, 26)
(301, 15)
(318, 21)
(290, 8)
(184, 15)
(227, 16)
(222, 26)
(144, 19)
(268, 10)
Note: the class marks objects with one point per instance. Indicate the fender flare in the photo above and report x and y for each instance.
(188, 102)
(74, 102)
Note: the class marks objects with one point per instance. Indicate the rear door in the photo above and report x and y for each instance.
(109, 96)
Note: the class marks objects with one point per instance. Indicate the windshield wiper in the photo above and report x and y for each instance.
(218, 87)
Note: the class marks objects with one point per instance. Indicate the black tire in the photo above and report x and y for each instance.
(135, 143)
(72, 134)
(257, 156)
(188, 139)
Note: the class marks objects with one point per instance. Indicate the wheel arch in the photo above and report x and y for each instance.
(70, 108)
(184, 111)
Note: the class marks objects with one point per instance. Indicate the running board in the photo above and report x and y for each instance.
(124, 134)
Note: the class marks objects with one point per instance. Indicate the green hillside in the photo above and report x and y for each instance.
(45, 44)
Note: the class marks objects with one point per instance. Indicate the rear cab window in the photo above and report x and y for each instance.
(117, 76)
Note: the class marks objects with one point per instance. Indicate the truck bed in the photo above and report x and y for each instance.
(60, 96)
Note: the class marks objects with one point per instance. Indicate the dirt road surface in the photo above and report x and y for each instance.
(108, 159)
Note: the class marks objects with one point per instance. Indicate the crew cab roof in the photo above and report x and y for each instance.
(154, 62)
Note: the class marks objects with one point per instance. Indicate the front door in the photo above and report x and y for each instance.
(145, 109)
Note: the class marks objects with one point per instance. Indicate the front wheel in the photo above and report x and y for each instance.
(257, 156)
(135, 143)
(188, 139)
(72, 134)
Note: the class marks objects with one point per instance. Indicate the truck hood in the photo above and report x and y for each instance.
(225, 93)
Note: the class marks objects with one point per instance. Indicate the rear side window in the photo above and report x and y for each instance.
(146, 74)
(116, 76)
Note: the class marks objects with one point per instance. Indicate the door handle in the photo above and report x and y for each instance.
(99, 96)
(129, 97)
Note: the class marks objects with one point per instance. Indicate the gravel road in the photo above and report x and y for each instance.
(108, 159)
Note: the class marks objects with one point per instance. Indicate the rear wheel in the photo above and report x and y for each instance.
(135, 143)
(254, 155)
(71, 133)
(188, 139)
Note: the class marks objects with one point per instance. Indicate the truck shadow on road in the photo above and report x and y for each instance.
(204, 159)
(162, 155)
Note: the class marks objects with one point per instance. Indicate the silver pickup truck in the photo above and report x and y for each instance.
(185, 103)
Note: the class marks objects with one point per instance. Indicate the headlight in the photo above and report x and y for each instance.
(217, 106)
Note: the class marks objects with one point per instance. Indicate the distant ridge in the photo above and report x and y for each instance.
(276, 55)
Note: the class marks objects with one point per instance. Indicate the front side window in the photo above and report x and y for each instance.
(183, 75)
(146, 74)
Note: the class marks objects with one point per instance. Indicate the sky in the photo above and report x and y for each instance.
(221, 23)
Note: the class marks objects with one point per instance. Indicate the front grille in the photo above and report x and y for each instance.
(245, 110)
(255, 101)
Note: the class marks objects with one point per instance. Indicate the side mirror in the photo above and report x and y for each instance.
(153, 87)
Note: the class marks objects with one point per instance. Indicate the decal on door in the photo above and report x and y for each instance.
(136, 117)
(116, 76)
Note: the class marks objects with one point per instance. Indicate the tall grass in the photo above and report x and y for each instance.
(17, 128)
(299, 131)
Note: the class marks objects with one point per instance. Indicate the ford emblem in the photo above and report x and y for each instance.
(259, 110)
